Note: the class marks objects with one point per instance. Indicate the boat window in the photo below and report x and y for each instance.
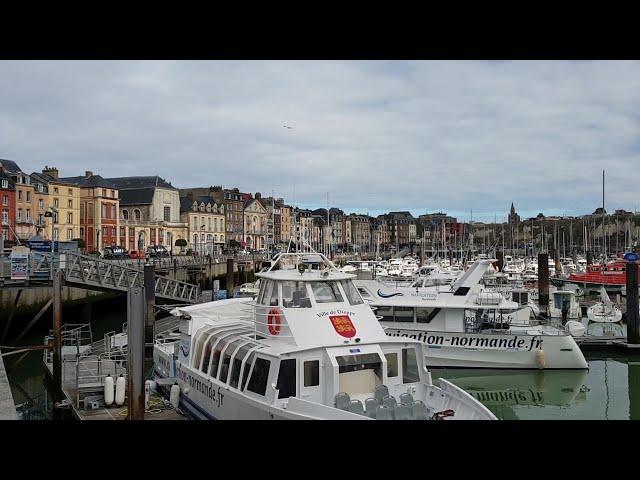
(326, 292)
(286, 384)
(259, 376)
(385, 312)
(200, 339)
(364, 293)
(273, 298)
(403, 314)
(425, 315)
(207, 353)
(311, 373)
(392, 364)
(359, 373)
(294, 295)
(409, 366)
(237, 365)
(247, 368)
(216, 358)
(226, 360)
(351, 292)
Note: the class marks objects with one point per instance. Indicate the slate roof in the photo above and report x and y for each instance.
(6, 176)
(186, 203)
(123, 183)
(47, 179)
(92, 181)
(136, 196)
(10, 165)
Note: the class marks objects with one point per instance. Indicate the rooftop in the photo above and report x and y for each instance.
(126, 183)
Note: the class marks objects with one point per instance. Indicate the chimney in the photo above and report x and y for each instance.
(52, 172)
(190, 196)
(88, 174)
(258, 196)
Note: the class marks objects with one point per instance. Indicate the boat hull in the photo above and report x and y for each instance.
(517, 350)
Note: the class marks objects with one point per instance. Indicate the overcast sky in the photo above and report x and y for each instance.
(422, 136)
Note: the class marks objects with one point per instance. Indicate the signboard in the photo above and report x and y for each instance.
(342, 325)
(19, 263)
(631, 257)
(44, 246)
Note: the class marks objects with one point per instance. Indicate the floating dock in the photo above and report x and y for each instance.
(7, 406)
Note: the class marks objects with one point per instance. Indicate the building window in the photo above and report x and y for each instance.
(70, 192)
(5, 217)
(136, 215)
(55, 202)
(5, 200)
(41, 204)
(28, 215)
(122, 234)
(28, 196)
(69, 217)
(104, 192)
(70, 204)
(81, 232)
(19, 194)
(113, 194)
(5, 184)
(167, 214)
(55, 234)
(125, 214)
(55, 189)
(69, 234)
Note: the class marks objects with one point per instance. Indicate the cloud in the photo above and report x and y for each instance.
(378, 136)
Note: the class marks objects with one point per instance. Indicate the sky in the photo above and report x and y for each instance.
(463, 137)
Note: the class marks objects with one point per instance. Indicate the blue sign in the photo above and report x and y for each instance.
(222, 295)
(631, 257)
(354, 350)
(42, 245)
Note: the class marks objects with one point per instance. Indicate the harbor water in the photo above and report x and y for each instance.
(609, 390)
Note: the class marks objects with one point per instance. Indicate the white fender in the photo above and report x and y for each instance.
(174, 396)
(120, 390)
(540, 358)
(108, 390)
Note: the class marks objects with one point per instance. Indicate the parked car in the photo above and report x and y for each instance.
(115, 251)
(161, 251)
(137, 254)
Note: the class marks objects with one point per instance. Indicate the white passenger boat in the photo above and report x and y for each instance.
(604, 311)
(309, 347)
(467, 326)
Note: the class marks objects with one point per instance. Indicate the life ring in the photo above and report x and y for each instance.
(274, 321)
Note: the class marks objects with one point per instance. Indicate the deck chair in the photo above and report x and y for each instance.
(342, 400)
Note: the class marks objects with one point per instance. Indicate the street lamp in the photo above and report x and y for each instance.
(52, 212)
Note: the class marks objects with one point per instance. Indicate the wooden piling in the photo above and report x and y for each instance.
(633, 316)
(543, 283)
(136, 318)
(589, 258)
(633, 378)
(230, 277)
(500, 258)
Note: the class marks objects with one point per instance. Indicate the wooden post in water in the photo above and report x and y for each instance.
(136, 303)
(589, 258)
(543, 283)
(229, 277)
(57, 336)
(633, 316)
(500, 258)
(150, 301)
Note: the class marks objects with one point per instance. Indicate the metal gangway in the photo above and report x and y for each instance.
(90, 272)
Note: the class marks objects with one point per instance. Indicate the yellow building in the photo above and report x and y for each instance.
(206, 222)
(64, 201)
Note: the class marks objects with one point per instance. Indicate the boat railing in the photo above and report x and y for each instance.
(91, 371)
(268, 327)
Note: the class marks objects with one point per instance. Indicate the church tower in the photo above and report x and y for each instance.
(513, 216)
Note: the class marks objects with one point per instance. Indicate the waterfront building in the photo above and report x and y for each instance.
(399, 223)
(64, 197)
(286, 232)
(24, 220)
(255, 223)
(360, 232)
(274, 220)
(149, 212)
(99, 206)
(206, 223)
(336, 218)
(304, 227)
(7, 207)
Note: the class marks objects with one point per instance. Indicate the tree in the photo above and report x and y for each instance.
(233, 243)
(81, 242)
(181, 242)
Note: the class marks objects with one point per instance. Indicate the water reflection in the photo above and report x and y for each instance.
(609, 390)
